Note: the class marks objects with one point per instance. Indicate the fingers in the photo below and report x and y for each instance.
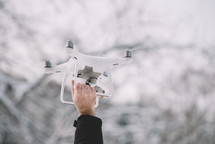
(81, 87)
(78, 86)
(92, 89)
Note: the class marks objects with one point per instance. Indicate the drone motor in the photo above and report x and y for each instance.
(48, 64)
(127, 54)
(69, 44)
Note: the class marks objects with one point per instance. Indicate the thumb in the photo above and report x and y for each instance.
(72, 88)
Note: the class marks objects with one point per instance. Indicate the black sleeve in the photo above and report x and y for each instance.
(88, 130)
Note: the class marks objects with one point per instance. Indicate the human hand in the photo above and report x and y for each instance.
(84, 98)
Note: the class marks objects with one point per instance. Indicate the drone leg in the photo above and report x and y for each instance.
(76, 72)
(62, 89)
(97, 102)
(110, 85)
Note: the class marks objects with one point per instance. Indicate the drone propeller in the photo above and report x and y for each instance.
(131, 46)
(134, 49)
(128, 52)
(128, 49)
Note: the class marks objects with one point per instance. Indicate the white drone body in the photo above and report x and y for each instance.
(91, 70)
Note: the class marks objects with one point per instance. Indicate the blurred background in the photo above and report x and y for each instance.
(165, 97)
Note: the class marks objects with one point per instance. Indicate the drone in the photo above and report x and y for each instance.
(92, 70)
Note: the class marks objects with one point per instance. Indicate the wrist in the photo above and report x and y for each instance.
(88, 112)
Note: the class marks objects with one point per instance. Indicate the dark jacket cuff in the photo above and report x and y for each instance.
(92, 120)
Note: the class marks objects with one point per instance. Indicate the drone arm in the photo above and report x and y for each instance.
(61, 68)
(122, 61)
(56, 69)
